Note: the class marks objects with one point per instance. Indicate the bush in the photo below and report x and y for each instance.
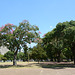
(9, 55)
(20, 56)
(1, 56)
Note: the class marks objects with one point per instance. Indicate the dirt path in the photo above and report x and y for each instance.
(37, 71)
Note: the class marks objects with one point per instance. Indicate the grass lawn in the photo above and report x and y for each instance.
(36, 65)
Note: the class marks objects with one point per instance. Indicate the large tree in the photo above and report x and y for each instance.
(69, 36)
(63, 36)
(16, 38)
(54, 43)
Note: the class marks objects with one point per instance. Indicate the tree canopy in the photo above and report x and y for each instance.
(63, 36)
(16, 38)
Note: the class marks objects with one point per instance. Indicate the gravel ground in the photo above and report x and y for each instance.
(37, 71)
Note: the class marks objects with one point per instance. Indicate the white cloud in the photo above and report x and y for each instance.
(51, 26)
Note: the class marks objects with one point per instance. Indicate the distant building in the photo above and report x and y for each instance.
(3, 50)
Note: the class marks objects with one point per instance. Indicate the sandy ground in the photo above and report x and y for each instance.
(36, 71)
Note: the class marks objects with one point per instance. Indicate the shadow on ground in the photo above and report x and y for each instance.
(50, 65)
(10, 66)
(58, 66)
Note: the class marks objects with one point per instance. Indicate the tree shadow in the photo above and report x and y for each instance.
(11, 66)
(49, 65)
(57, 65)
(52, 65)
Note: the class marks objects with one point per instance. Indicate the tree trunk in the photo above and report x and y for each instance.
(67, 59)
(14, 61)
(55, 59)
(28, 57)
(58, 59)
(51, 59)
(71, 58)
(38, 61)
(74, 59)
(73, 51)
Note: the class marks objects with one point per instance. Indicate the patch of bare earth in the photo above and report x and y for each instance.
(36, 71)
(55, 70)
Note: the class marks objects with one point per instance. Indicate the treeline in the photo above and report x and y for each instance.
(60, 42)
(36, 53)
(57, 45)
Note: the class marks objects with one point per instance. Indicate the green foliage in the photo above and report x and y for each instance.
(67, 52)
(38, 53)
(58, 43)
(25, 57)
(4, 59)
(20, 36)
(54, 42)
(9, 55)
(20, 56)
(63, 36)
(1, 56)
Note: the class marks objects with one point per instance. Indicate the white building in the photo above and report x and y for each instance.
(3, 50)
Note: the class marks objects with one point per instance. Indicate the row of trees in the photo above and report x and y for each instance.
(61, 41)
(36, 53)
(9, 56)
(56, 44)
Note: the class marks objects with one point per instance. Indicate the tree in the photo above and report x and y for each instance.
(38, 53)
(69, 36)
(1, 56)
(63, 36)
(20, 56)
(9, 55)
(25, 57)
(53, 42)
(67, 53)
(16, 38)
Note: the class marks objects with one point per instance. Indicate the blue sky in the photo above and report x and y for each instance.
(43, 13)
